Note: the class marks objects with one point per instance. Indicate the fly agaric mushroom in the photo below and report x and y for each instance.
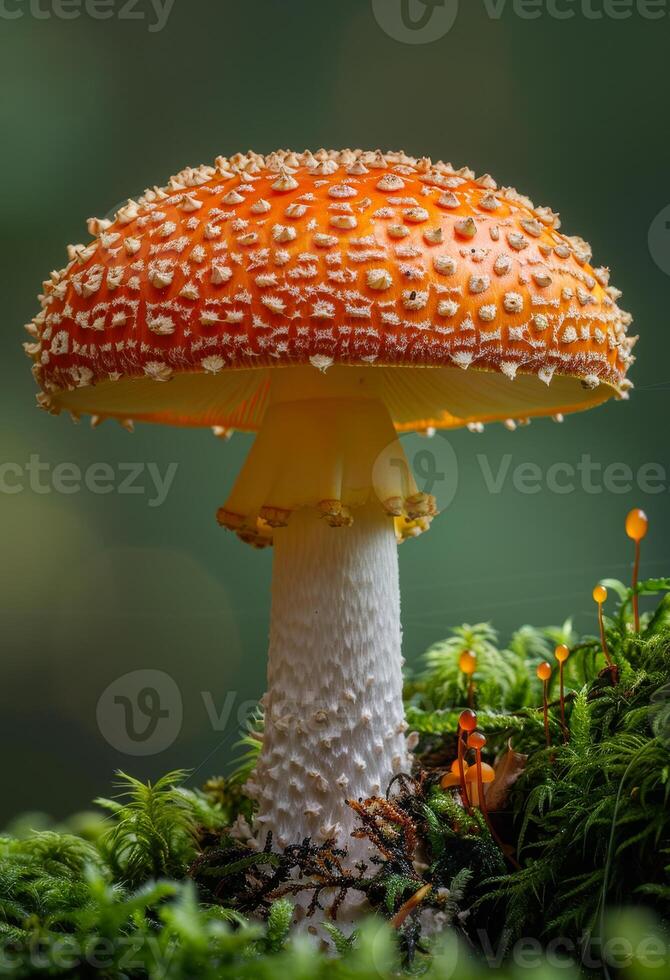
(328, 301)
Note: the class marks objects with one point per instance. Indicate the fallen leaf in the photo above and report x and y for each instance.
(508, 768)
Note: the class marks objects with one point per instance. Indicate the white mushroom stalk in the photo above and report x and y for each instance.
(328, 480)
(334, 722)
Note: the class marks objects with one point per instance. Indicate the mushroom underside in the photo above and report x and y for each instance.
(416, 397)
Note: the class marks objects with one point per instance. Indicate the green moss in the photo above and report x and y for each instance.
(160, 888)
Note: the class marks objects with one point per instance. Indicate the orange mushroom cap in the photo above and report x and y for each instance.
(488, 773)
(347, 257)
(451, 779)
(544, 671)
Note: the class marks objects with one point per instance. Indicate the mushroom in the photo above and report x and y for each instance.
(328, 302)
(477, 775)
(452, 778)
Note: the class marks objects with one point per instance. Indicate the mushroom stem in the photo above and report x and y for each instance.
(334, 721)
(326, 441)
(480, 802)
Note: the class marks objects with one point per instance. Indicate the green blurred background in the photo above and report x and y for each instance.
(572, 112)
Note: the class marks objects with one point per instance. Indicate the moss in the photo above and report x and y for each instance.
(162, 889)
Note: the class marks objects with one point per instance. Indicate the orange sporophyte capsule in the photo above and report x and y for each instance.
(637, 524)
(467, 720)
(476, 740)
(600, 594)
(561, 653)
(467, 662)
